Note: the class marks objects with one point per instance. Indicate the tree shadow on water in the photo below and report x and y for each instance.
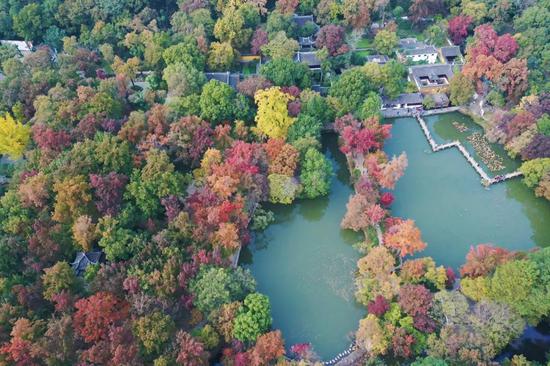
(313, 209)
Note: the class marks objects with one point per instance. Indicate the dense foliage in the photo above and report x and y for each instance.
(126, 145)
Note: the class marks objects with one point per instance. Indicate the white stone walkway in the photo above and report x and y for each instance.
(485, 179)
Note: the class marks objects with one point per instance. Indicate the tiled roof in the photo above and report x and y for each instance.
(426, 50)
(407, 98)
(309, 58)
(450, 51)
(227, 77)
(435, 69)
(302, 20)
(83, 260)
(379, 59)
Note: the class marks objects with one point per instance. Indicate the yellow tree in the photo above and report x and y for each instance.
(14, 136)
(272, 118)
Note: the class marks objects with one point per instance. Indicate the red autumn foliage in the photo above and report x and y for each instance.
(404, 237)
(95, 315)
(379, 306)
(521, 121)
(21, 352)
(189, 138)
(332, 37)
(258, 40)
(451, 277)
(421, 9)
(386, 199)
(359, 138)
(483, 259)
(539, 147)
(458, 28)
(49, 139)
(301, 350)
(282, 157)
(119, 348)
(424, 323)
(286, 7)
(191, 352)
(269, 347)
(505, 48)
(251, 85)
(415, 299)
(108, 191)
(402, 343)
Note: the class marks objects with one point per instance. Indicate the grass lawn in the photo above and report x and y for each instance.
(363, 54)
(364, 43)
(405, 29)
(249, 68)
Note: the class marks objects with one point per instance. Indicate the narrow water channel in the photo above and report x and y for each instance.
(305, 263)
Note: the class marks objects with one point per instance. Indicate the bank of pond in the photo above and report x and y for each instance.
(305, 263)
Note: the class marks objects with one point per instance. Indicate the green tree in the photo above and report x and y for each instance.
(59, 277)
(429, 361)
(543, 124)
(534, 170)
(370, 107)
(7, 51)
(280, 46)
(304, 126)
(316, 174)
(117, 242)
(231, 28)
(385, 42)
(217, 102)
(183, 80)
(277, 22)
(436, 34)
(517, 283)
(393, 78)
(222, 56)
(215, 286)
(351, 89)
(156, 180)
(154, 331)
(29, 23)
(186, 52)
(428, 102)
(286, 72)
(314, 105)
(254, 318)
(282, 188)
(461, 89)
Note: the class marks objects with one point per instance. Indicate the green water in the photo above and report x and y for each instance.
(304, 262)
(443, 194)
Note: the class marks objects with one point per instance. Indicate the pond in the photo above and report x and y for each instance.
(443, 194)
(304, 262)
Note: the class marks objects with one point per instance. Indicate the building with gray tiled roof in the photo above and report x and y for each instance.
(431, 78)
(309, 58)
(416, 51)
(451, 55)
(83, 260)
(231, 79)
